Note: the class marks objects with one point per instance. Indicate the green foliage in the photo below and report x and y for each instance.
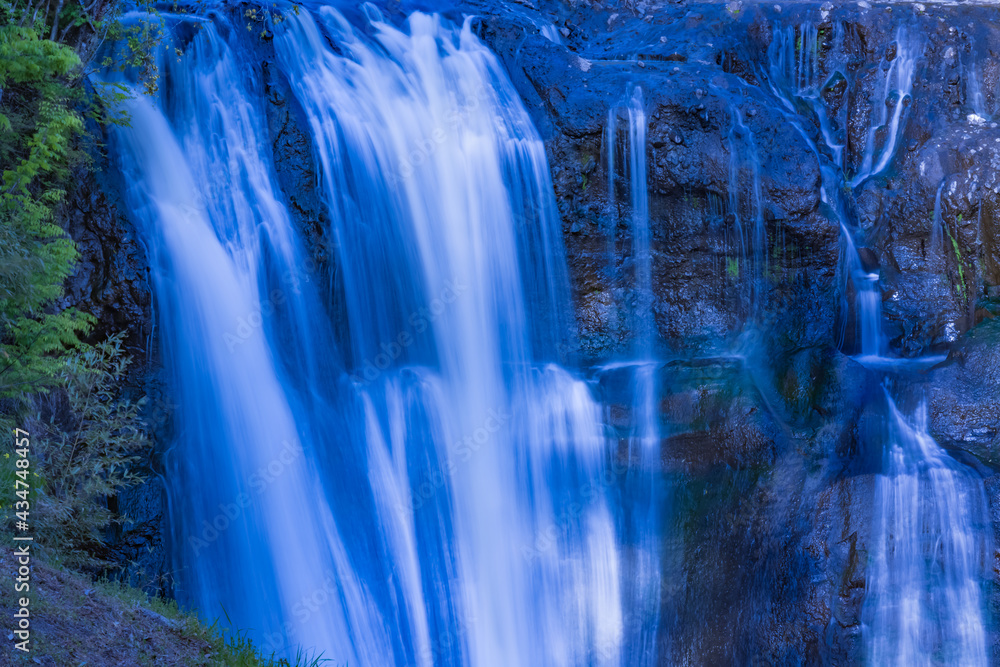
(35, 259)
(37, 65)
(133, 50)
(35, 255)
(35, 115)
(229, 648)
(87, 437)
(90, 440)
(237, 650)
(962, 289)
(87, 35)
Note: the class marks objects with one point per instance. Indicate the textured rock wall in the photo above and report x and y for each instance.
(775, 457)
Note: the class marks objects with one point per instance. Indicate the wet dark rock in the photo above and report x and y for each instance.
(293, 162)
(869, 260)
(139, 543)
(111, 280)
(936, 277)
(964, 396)
(714, 417)
(936, 286)
(843, 522)
(698, 302)
(890, 52)
(112, 283)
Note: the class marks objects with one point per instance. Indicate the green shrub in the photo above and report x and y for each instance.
(89, 443)
(87, 436)
(37, 127)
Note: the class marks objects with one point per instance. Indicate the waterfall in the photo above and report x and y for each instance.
(791, 68)
(748, 226)
(224, 255)
(644, 324)
(897, 89)
(924, 604)
(642, 528)
(381, 452)
(424, 485)
(432, 146)
(798, 89)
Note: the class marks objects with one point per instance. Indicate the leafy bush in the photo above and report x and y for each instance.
(41, 99)
(89, 441)
(37, 127)
(87, 436)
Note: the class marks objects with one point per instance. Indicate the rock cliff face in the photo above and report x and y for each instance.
(704, 125)
(782, 450)
(112, 283)
(764, 415)
(705, 71)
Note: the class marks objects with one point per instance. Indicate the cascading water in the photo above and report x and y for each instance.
(450, 486)
(898, 86)
(749, 232)
(642, 311)
(225, 258)
(641, 529)
(980, 72)
(470, 198)
(923, 604)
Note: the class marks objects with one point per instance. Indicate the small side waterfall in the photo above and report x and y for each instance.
(642, 312)
(867, 298)
(924, 603)
(749, 232)
(642, 530)
(981, 85)
(890, 115)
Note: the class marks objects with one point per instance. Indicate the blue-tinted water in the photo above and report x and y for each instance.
(430, 487)
(386, 457)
